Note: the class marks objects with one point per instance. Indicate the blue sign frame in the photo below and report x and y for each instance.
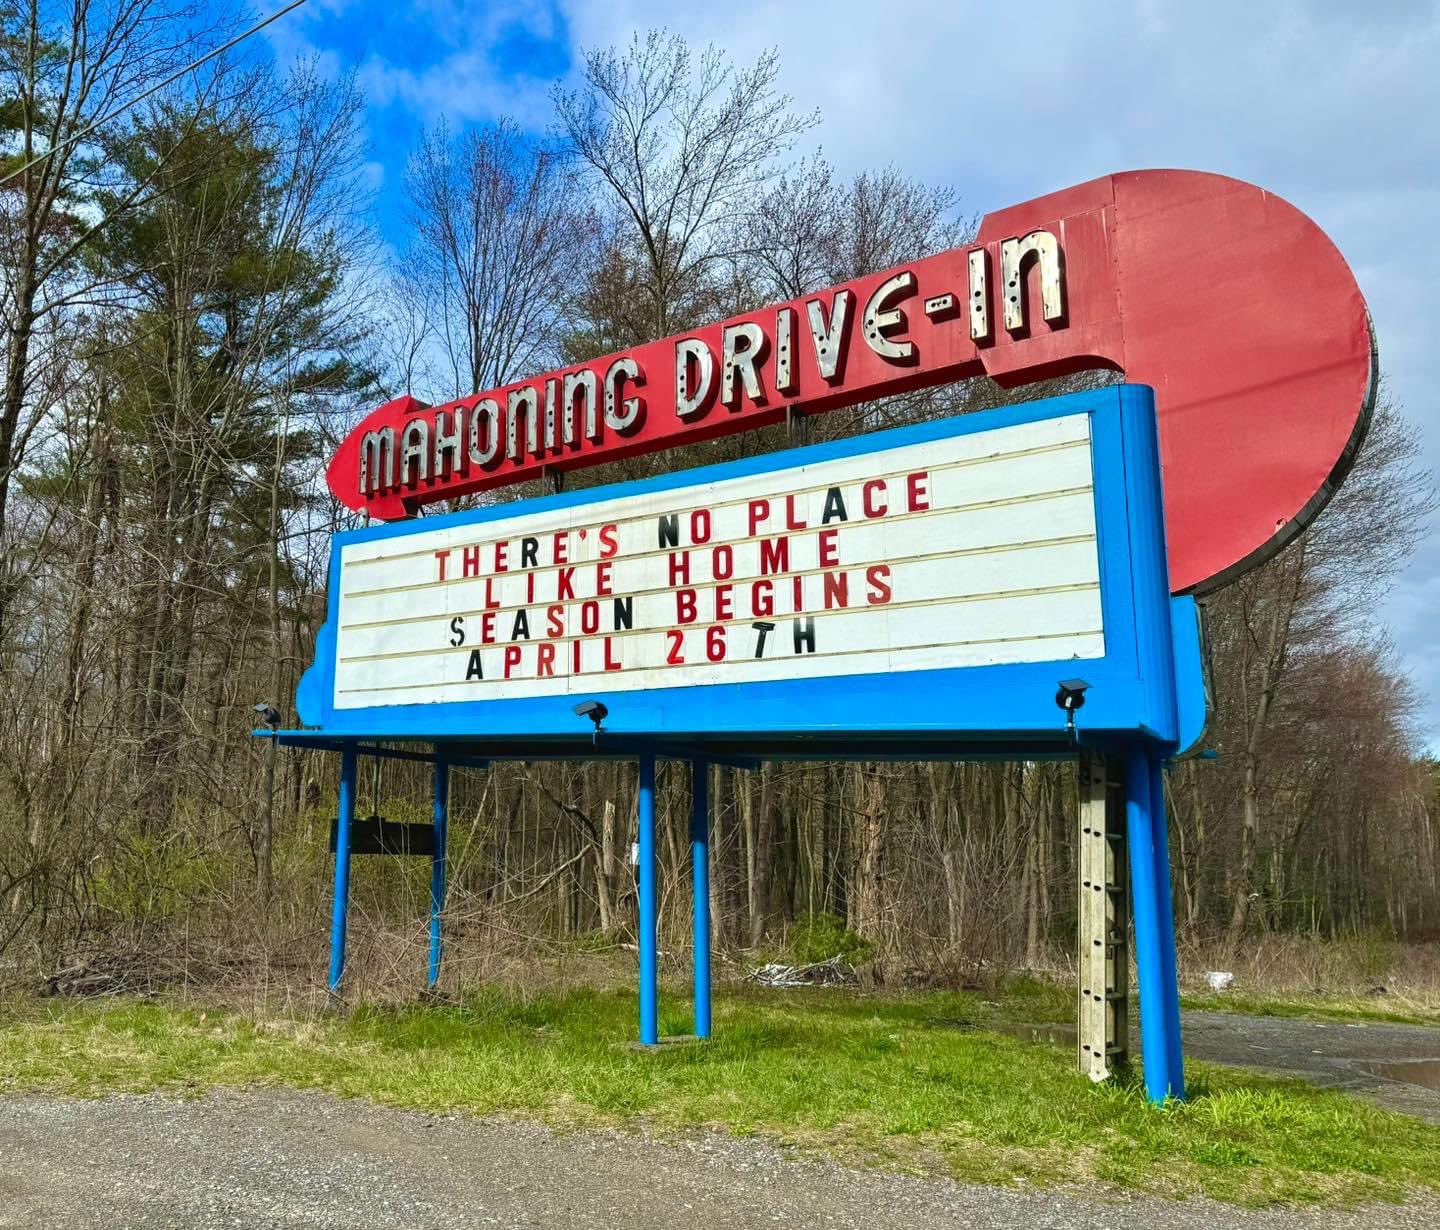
(1148, 685)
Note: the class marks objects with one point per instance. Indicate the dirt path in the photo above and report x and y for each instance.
(280, 1158)
(1335, 1054)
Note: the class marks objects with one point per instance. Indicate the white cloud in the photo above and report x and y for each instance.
(464, 87)
(468, 81)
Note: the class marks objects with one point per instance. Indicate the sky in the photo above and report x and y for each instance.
(1333, 104)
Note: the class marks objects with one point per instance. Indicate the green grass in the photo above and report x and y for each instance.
(903, 1082)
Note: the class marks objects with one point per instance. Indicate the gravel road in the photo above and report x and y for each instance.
(266, 1159)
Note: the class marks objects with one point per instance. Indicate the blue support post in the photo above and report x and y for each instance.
(700, 872)
(438, 862)
(342, 865)
(1145, 901)
(648, 938)
(1165, 909)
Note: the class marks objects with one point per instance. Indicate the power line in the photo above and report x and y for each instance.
(154, 89)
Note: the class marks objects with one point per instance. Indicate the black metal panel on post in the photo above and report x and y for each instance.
(376, 835)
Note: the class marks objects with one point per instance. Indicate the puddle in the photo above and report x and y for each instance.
(1050, 1034)
(1422, 1072)
(1055, 1035)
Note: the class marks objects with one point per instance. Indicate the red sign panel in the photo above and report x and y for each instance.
(1232, 304)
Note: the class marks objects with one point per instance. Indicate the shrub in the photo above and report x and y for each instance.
(818, 937)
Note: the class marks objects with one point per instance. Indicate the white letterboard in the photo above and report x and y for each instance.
(973, 550)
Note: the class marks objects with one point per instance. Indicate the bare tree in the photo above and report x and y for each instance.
(809, 229)
(501, 244)
(683, 148)
(1269, 628)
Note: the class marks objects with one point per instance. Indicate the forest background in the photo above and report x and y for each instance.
(197, 309)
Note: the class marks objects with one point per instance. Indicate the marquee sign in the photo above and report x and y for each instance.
(970, 550)
(1234, 306)
(954, 588)
(1023, 540)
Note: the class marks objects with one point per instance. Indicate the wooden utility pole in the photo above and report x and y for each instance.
(1102, 1041)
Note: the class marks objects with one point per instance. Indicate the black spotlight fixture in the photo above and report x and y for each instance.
(594, 710)
(1070, 696)
(268, 714)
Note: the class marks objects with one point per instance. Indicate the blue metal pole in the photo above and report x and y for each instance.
(700, 871)
(648, 937)
(1149, 966)
(342, 865)
(1165, 908)
(438, 861)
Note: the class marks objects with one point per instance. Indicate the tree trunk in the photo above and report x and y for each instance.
(606, 872)
(1272, 671)
(760, 864)
(870, 857)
